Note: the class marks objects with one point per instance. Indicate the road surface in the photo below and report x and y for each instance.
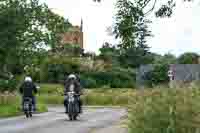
(55, 121)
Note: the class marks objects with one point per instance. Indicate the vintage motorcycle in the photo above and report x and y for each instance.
(73, 105)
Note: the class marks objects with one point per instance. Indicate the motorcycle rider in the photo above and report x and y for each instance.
(73, 79)
(28, 89)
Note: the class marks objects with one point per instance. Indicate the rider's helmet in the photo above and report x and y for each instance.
(28, 79)
(72, 76)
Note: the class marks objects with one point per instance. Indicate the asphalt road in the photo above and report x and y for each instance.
(55, 121)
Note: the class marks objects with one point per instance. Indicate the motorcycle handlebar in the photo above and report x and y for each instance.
(74, 94)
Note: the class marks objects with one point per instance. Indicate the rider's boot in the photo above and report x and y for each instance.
(80, 111)
(80, 106)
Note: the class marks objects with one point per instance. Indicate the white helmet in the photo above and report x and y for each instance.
(72, 76)
(28, 79)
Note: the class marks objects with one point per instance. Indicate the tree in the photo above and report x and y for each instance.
(165, 59)
(135, 57)
(109, 53)
(131, 22)
(26, 26)
(158, 76)
(188, 58)
(131, 27)
(68, 50)
(166, 10)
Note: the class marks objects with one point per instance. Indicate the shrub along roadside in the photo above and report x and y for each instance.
(52, 94)
(15, 110)
(114, 79)
(11, 105)
(53, 70)
(103, 97)
(165, 111)
(51, 89)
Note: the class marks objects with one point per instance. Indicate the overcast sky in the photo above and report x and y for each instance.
(176, 35)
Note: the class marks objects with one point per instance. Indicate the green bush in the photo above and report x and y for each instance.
(158, 76)
(33, 71)
(188, 58)
(164, 111)
(88, 82)
(54, 68)
(111, 78)
(8, 85)
(51, 89)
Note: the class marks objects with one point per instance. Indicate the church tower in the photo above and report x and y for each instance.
(74, 36)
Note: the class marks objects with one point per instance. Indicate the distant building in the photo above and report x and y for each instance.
(74, 36)
(185, 72)
(141, 75)
(179, 74)
(184, 75)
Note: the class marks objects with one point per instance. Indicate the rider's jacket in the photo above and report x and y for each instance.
(28, 89)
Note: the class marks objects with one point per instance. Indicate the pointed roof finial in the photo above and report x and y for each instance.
(81, 27)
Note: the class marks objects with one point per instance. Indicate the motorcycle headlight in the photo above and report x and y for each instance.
(71, 88)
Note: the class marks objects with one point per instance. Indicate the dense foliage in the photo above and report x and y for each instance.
(158, 76)
(188, 58)
(27, 26)
(54, 69)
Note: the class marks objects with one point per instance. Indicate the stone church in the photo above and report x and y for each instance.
(74, 36)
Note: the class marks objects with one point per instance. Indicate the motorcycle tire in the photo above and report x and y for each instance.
(70, 117)
(70, 111)
(30, 114)
(75, 117)
(27, 114)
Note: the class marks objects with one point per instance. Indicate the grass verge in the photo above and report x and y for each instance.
(165, 111)
(10, 105)
(15, 110)
(94, 97)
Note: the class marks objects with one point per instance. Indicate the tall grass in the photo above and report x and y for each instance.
(165, 111)
(102, 97)
(51, 89)
(9, 98)
(113, 97)
(10, 105)
(50, 99)
(52, 94)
